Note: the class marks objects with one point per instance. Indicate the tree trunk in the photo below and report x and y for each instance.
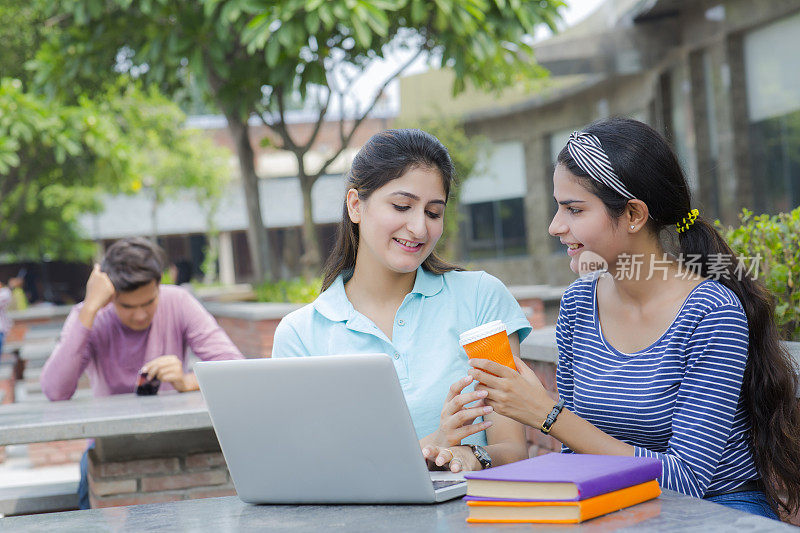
(311, 260)
(256, 232)
(154, 218)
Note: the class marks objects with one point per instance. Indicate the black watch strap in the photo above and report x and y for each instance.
(481, 455)
(551, 418)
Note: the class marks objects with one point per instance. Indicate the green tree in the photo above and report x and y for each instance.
(258, 56)
(56, 159)
(168, 159)
(21, 32)
(52, 158)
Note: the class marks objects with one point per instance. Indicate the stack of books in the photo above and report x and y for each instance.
(561, 488)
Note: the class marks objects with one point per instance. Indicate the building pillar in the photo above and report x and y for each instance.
(227, 274)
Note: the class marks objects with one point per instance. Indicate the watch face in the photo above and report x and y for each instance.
(483, 456)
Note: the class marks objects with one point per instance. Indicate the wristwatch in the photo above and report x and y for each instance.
(481, 455)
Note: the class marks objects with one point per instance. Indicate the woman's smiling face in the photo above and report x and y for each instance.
(400, 223)
(583, 224)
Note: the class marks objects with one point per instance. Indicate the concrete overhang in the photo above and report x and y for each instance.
(633, 42)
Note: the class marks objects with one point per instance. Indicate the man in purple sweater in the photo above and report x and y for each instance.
(129, 323)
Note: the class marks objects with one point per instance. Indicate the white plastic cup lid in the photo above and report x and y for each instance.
(481, 332)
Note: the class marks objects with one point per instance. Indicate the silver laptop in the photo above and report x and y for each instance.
(332, 429)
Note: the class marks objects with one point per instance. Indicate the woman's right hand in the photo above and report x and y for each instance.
(456, 421)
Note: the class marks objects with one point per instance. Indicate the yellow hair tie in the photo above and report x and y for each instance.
(687, 221)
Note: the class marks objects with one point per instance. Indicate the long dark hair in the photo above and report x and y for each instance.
(385, 157)
(645, 163)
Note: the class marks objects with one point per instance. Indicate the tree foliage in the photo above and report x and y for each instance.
(22, 30)
(259, 56)
(52, 158)
(769, 247)
(168, 158)
(56, 159)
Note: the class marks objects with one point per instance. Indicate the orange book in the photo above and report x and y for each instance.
(563, 512)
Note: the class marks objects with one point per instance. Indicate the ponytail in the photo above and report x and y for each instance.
(770, 378)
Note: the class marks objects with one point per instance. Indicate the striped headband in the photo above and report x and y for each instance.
(586, 150)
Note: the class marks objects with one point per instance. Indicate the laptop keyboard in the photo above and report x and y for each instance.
(440, 484)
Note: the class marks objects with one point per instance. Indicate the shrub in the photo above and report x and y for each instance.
(773, 241)
(296, 290)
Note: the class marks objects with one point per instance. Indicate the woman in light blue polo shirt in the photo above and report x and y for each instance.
(385, 290)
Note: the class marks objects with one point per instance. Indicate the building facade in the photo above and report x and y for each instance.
(185, 229)
(721, 79)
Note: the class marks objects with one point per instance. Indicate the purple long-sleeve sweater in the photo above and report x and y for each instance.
(112, 353)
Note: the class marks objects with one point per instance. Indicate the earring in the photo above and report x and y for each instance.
(633, 227)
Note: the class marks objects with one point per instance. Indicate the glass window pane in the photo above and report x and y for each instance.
(512, 226)
(772, 71)
(775, 152)
(482, 221)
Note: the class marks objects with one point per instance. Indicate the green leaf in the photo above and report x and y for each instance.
(326, 15)
(272, 52)
(312, 21)
(419, 12)
(256, 32)
(361, 32)
(475, 10)
(376, 18)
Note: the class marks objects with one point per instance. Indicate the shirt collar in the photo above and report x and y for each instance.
(334, 305)
(427, 283)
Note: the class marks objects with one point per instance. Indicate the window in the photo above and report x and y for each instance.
(496, 229)
(711, 173)
(493, 202)
(558, 140)
(772, 73)
(682, 122)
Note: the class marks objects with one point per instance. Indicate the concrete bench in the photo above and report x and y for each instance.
(40, 498)
(45, 333)
(35, 354)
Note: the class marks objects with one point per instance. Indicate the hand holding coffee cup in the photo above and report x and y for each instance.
(488, 341)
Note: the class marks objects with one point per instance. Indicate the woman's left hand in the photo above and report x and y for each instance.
(517, 395)
(453, 458)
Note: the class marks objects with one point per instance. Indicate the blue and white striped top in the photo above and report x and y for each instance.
(678, 399)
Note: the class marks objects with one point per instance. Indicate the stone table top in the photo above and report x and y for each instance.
(670, 512)
(123, 414)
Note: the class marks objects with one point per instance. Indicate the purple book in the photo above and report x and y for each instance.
(561, 477)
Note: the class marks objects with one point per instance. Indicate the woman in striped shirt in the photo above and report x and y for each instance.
(669, 351)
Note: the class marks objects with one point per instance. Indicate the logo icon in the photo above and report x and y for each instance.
(591, 264)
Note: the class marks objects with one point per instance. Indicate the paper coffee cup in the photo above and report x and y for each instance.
(488, 341)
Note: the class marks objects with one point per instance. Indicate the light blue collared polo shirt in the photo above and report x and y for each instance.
(424, 344)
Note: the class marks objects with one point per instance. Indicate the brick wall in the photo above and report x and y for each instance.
(252, 337)
(163, 479)
(534, 311)
(538, 442)
(56, 452)
(22, 325)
